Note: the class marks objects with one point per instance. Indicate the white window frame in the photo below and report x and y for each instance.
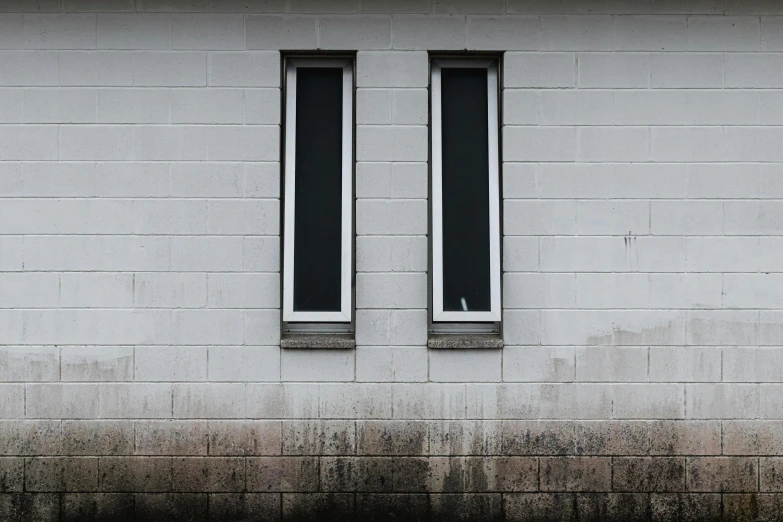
(438, 314)
(346, 272)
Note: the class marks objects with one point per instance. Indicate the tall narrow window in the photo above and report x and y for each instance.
(318, 210)
(465, 191)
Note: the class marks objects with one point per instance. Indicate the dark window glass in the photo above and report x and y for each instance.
(318, 209)
(465, 149)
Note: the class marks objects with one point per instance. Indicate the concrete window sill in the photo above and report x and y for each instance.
(318, 341)
(465, 341)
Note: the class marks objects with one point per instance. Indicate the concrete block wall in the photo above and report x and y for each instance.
(141, 374)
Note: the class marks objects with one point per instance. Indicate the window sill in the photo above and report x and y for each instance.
(318, 341)
(465, 342)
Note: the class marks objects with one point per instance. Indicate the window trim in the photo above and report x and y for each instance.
(495, 312)
(344, 315)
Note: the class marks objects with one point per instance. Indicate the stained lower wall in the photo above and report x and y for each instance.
(379, 470)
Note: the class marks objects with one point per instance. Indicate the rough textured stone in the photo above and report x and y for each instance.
(313, 341)
(465, 342)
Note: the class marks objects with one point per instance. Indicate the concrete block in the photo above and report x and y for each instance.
(245, 438)
(134, 31)
(317, 365)
(98, 437)
(685, 437)
(727, 33)
(135, 473)
(576, 33)
(611, 364)
(51, 401)
(687, 70)
(543, 70)
(390, 69)
(540, 144)
(350, 32)
(685, 364)
(649, 33)
(721, 474)
(538, 364)
(281, 32)
(575, 474)
(170, 437)
(208, 32)
(260, 217)
(539, 290)
(244, 363)
(212, 474)
(575, 107)
(89, 363)
(650, 401)
(465, 365)
(202, 254)
(391, 143)
(60, 474)
(391, 290)
(244, 69)
(319, 437)
(209, 400)
(209, 327)
(503, 33)
(282, 401)
(614, 70)
(244, 290)
(391, 364)
(131, 401)
(423, 401)
(90, 290)
(607, 144)
(722, 401)
(165, 363)
(531, 218)
(417, 32)
(282, 474)
(647, 474)
(59, 31)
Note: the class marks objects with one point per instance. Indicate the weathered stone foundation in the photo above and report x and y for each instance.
(391, 470)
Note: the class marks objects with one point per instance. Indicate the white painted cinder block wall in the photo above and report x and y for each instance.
(643, 210)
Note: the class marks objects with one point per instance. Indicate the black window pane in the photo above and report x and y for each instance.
(465, 146)
(318, 215)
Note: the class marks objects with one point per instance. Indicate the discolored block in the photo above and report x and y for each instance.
(171, 506)
(94, 507)
(406, 437)
(210, 474)
(575, 474)
(171, 438)
(352, 474)
(613, 438)
(27, 507)
(320, 507)
(523, 507)
(756, 507)
(648, 474)
(466, 507)
(538, 438)
(61, 474)
(685, 438)
(500, 474)
(753, 437)
(378, 507)
(319, 437)
(245, 438)
(131, 474)
(35, 437)
(97, 437)
(771, 474)
(282, 474)
(433, 474)
(465, 437)
(625, 507)
(686, 507)
(11, 474)
(721, 474)
(245, 507)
